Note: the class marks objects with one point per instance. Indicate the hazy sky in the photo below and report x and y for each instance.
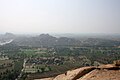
(60, 16)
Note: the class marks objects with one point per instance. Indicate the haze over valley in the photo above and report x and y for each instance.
(59, 39)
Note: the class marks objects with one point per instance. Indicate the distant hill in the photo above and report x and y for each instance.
(7, 36)
(46, 40)
(100, 42)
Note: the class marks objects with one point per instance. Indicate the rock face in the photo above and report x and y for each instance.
(45, 79)
(102, 75)
(74, 74)
(108, 66)
(117, 63)
(103, 72)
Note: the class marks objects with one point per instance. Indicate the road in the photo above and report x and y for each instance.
(20, 75)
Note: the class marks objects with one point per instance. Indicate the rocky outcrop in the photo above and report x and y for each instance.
(45, 79)
(74, 74)
(117, 63)
(108, 66)
(103, 72)
(102, 75)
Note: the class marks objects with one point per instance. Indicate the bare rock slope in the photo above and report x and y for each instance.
(103, 72)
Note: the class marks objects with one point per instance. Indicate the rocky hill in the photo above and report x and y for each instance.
(46, 40)
(103, 72)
